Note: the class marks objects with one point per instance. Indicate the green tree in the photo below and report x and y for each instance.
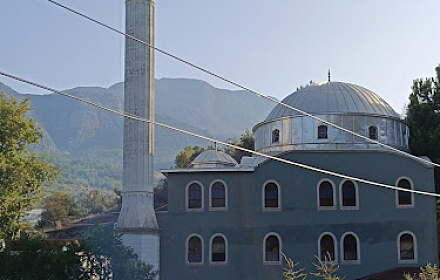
(22, 171)
(188, 154)
(94, 202)
(246, 141)
(33, 258)
(429, 272)
(58, 208)
(124, 263)
(423, 117)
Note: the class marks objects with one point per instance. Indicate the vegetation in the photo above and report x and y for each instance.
(246, 141)
(423, 116)
(291, 272)
(33, 259)
(429, 272)
(60, 207)
(89, 172)
(188, 154)
(22, 171)
(124, 264)
(102, 256)
(325, 269)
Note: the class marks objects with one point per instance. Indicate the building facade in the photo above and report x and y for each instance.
(229, 220)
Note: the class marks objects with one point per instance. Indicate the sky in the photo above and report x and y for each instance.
(272, 47)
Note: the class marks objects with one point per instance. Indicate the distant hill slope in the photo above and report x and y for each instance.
(74, 128)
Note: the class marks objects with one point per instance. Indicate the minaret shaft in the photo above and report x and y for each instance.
(137, 220)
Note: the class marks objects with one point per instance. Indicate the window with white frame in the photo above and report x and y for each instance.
(404, 198)
(327, 247)
(271, 196)
(350, 248)
(194, 197)
(194, 249)
(407, 247)
(272, 248)
(349, 196)
(219, 249)
(326, 195)
(218, 196)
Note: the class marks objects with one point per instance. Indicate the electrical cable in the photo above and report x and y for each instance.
(304, 166)
(239, 85)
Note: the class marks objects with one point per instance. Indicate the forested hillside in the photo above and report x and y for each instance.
(86, 142)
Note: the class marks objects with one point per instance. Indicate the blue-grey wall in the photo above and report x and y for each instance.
(377, 223)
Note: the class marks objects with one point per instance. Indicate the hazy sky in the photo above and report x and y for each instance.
(270, 46)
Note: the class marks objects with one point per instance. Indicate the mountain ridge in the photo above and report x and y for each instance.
(194, 105)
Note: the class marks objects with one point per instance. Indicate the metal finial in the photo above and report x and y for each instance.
(328, 75)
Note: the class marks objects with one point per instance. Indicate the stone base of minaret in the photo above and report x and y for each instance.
(138, 225)
(145, 245)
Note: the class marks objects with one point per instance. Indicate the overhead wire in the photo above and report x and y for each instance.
(239, 85)
(304, 166)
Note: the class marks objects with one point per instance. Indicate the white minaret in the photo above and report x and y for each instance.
(137, 220)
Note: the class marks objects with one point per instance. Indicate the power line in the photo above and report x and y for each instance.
(239, 85)
(304, 166)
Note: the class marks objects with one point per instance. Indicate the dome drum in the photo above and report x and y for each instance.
(347, 105)
(301, 133)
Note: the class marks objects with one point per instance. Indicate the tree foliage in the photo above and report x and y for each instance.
(188, 154)
(124, 263)
(101, 256)
(325, 269)
(61, 207)
(58, 208)
(35, 259)
(22, 171)
(423, 117)
(429, 272)
(246, 141)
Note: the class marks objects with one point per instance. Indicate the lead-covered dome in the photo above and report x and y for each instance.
(213, 159)
(347, 105)
(333, 98)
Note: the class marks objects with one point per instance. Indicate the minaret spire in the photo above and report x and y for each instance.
(137, 220)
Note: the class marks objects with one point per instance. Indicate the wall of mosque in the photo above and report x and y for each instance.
(299, 220)
(300, 132)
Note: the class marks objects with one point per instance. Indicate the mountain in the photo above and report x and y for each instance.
(76, 129)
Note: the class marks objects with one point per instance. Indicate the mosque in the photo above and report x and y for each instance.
(230, 220)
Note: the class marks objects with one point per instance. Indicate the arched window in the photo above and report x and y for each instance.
(327, 245)
(275, 136)
(322, 132)
(407, 247)
(194, 250)
(194, 196)
(271, 194)
(218, 249)
(350, 248)
(272, 248)
(218, 196)
(326, 199)
(404, 199)
(372, 132)
(349, 195)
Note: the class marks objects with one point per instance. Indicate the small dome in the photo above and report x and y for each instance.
(213, 159)
(333, 98)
